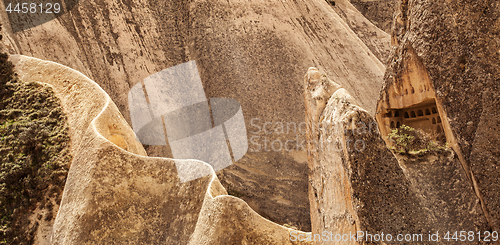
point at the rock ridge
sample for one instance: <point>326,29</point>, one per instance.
<point>115,194</point>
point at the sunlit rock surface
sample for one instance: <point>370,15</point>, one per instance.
<point>115,194</point>
<point>358,186</point>
<point>451,49</point>
<point>252,51</point>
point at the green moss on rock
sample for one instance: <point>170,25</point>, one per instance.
<point>34,146</point>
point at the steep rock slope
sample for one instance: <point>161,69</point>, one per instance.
<point>115,194</point>
<point>358,186</point>
<point>376,39</point>
<point>379,12</point>
<point>448,56</point>
<point>251,51</point>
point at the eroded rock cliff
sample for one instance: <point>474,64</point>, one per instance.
<point>447,57</point>
<point>115,194</point>
<point>379,12</point>
<point>358,186</point>
<point>251,51</point>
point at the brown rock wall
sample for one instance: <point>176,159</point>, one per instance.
<point>457,43</point>
<point>116,195</point>
<point>251,51</point>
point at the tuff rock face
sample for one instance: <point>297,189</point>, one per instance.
<point>251,51</point>
<point>355,182</point>
<point>358,19</point>
<point>358,186</point>
<point>448,55</point>
<point>443,78</point>
<point>445,61</point>
<point>379,12</point>
<point>115,194</point>
<point>444,191</point>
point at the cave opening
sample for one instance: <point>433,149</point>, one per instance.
<point>422,116</point>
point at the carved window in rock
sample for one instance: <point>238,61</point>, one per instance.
<point>422,116</point>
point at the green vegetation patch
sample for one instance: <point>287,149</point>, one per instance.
<point>34,150</point>
<point>406,140</point>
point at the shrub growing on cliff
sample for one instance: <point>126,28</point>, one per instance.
<point>34,148</point>
<point>406,139</point>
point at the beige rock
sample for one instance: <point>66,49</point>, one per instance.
<point>350,168</point>
<point>379,12</point>
<point>251,51</point>
<point>448,52</point>
<point>358,186</point>
<point>365,22</point>
<point>114,194</point>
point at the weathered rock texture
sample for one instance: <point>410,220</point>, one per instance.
<point>376,39</point>
<point>34,162</point>
<point>448,53</point>
<point>251,51</point>
<point>115,194</point>
<point>379,12</point>
<point>348,191</point>
<point>443,189</point>
<point>358,185</point>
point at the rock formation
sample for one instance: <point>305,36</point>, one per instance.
<point>442,78</point>
<point>35,157</point>
<point>358,186</point>
<point>115,194</point>
<point>448,55</point>
<point>251,51</point>
<point>379,12</point>
<point>356,19</point>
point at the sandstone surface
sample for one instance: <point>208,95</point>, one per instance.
<point>379,12</point>
<point>362,22</point>
<point>115,194</point>
<point>356,184</point>
<point>251,51</point>
<point>448,55</point>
